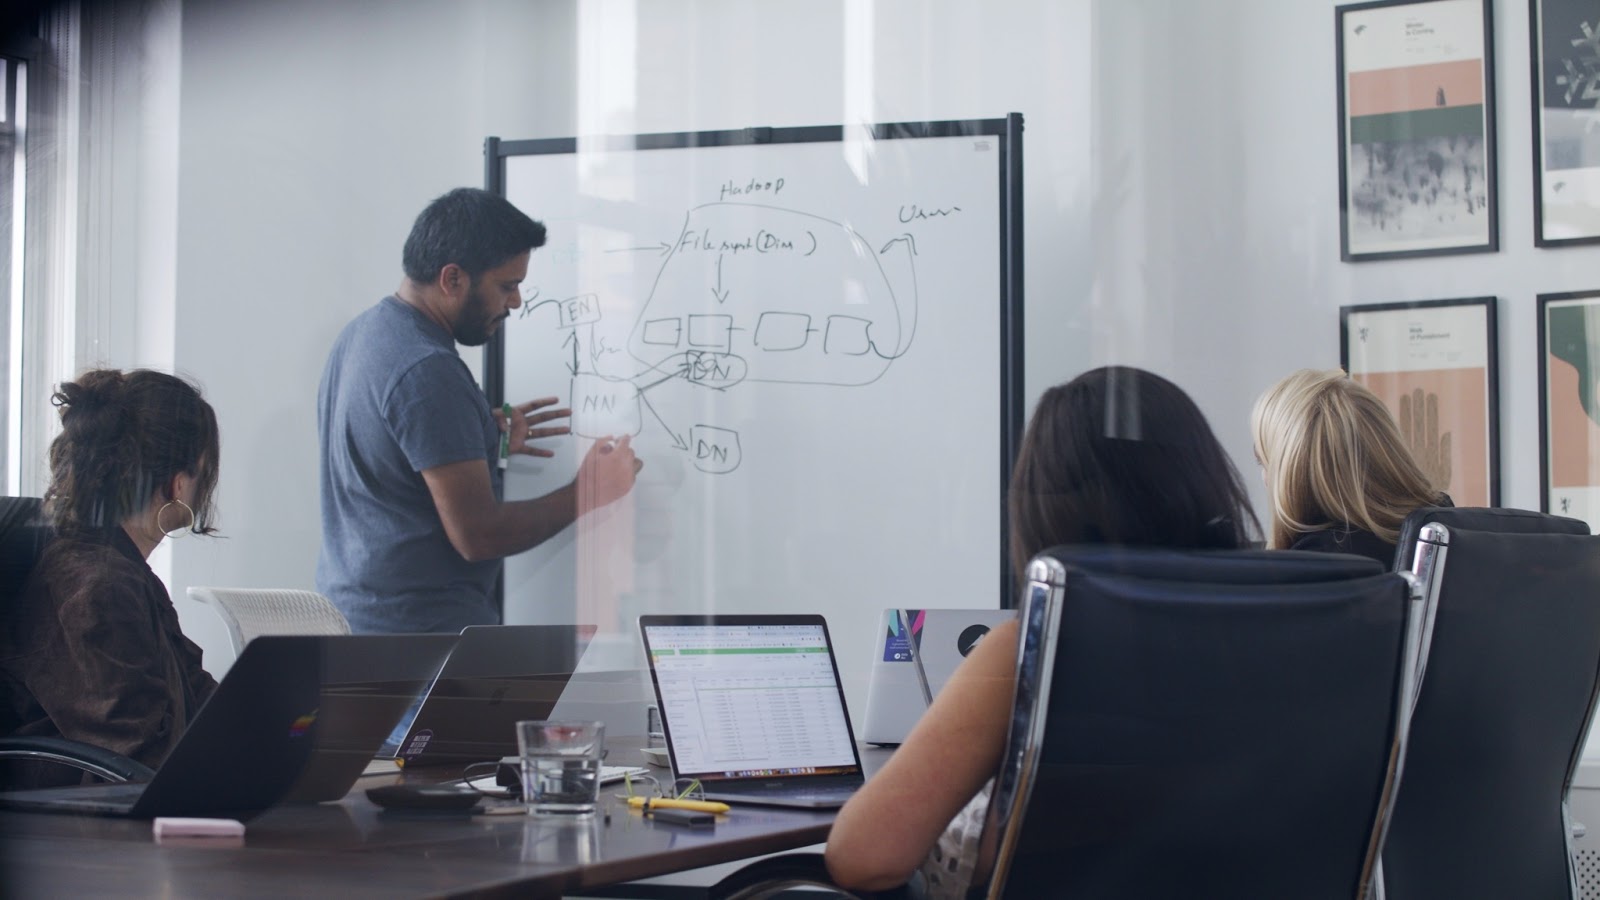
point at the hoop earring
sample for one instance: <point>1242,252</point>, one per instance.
<point>175,533</point>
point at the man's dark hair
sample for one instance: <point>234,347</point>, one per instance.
<point>123,438</point>
<point>1122,456</point>
<point>472,228</point>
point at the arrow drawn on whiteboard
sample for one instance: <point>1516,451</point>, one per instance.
<point>683,368</point>
<point>528,306</point>
<point>903,339</point>
<point>911,242</point>
<point>678,443</point>
<point>718,292</point>
<point>662,248</point>
<point>572,341</point>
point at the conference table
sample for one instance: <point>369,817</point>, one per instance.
<point>353,848</point>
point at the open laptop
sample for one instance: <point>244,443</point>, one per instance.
<point>916,653</point>
<point>497,676</point>
<point>295,719</point>
<point>751,705</point>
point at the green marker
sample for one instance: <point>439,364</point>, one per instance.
<point>505,436</point>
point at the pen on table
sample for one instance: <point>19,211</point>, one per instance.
<point>505,436</point>
<point>709,806</point>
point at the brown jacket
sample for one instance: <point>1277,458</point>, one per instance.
<point>92,651</point>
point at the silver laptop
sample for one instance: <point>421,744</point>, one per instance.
<point>751,705</point>
<point>916,653</point>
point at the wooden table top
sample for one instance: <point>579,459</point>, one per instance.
<point>355,849</point>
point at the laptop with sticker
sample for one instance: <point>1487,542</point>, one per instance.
<point>752,707</point>
<point>497,676</point>
<point>294,720</point>
<point>916,653</point>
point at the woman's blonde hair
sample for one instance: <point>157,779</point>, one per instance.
<point>1334,458</point>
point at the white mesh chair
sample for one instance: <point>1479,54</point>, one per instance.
<point>250,612</point>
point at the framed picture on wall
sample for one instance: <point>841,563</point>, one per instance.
<point>1569,408</point>
<point>1416,129</point>
<point>1434,364</point>
<point>1566,121</point>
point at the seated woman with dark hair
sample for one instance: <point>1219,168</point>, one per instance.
<point>92,649</point>
<point>1115,456</point>
<point>1339,476</point>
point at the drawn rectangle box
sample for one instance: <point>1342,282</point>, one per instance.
<point>711,331</point>
<point>847,335</point>
<point>580,310</point>
<point>602,407</point>
<point>663,332</point>
<point>777,331</point>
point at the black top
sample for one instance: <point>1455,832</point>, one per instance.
<point>1345,540</point>
<point>93,652</point>
<point>1354,540</point>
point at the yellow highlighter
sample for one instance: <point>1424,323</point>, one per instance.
<point>647,803</point>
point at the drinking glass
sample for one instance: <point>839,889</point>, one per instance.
<point>561,766</point>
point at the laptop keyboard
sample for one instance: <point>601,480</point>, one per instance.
<point>798,792</point>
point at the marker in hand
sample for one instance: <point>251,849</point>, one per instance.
<point>505,436</point>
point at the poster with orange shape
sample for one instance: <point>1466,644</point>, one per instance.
<point>1433,364</point>
<point>1569,409</point>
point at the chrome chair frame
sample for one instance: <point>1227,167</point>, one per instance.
<point>1041,622</point>
<point>1427,568</point>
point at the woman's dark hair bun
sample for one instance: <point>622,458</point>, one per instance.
<point>124,436</point>
<point>95,403</point>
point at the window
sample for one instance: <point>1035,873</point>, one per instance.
<point>13,174</point>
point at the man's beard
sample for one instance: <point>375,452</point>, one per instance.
<point>475,325</point>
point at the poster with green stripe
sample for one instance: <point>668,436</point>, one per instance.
<point>1416,117</point>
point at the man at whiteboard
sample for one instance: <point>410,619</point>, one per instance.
<point>412,530</point>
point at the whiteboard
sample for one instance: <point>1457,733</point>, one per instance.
<point>811,339</point>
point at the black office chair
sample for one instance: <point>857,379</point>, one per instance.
<point>1196,724</point>
<point>23,535</point>
<point>1508,688</point>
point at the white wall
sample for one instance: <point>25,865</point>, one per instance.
<point>1181,208</point>
<point>1224,269</point>
<point>312,133</point>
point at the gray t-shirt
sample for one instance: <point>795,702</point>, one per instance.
<point>396,399</point>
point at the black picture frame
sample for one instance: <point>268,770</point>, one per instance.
<point>1587,300</point>
<point>1424,192</point>
<point>1411,327</point>
<point>1553,26</point>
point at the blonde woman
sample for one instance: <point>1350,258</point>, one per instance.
<point>1340,478</point>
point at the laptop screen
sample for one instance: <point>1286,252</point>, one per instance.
<point>750,700</point>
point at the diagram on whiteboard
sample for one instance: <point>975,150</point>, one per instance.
<point>746,294</point>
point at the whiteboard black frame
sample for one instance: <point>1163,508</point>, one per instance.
<point>1008,131</point>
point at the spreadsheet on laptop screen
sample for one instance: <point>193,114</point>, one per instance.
<point>750,700</point>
